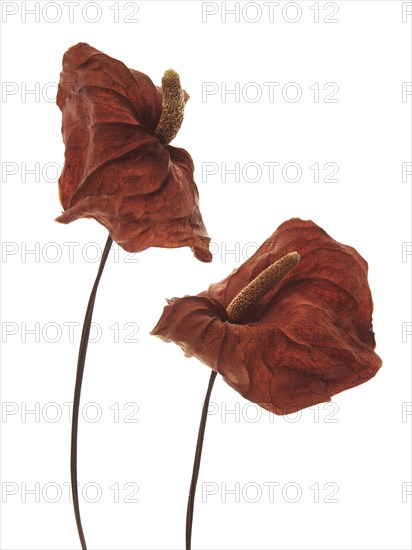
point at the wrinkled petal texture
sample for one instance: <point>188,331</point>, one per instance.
<point>308,339</point>
<point>116,170</point>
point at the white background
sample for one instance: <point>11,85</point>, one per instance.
<point>360,445</point>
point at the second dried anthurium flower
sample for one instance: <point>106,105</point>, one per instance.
<point>119,167</point>
<point>305,340</point>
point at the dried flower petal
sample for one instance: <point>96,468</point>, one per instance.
<point>116,170</point>
<point>307,339</point>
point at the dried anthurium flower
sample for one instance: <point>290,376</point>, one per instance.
<point>119,167</point>
<point>289,328</point>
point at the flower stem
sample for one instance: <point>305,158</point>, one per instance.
<point>236,310</point>
<point>77,391</point>
<point>196,463</point>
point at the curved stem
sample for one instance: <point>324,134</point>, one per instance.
<point>77,391</point>
<point>196,463</point>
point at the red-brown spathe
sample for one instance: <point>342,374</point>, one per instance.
<point>307,339</point>
<point>116,170</point>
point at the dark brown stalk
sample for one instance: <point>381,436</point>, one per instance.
<point>196,463</point>
<point>77,391</point>
<point>237,308</point>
